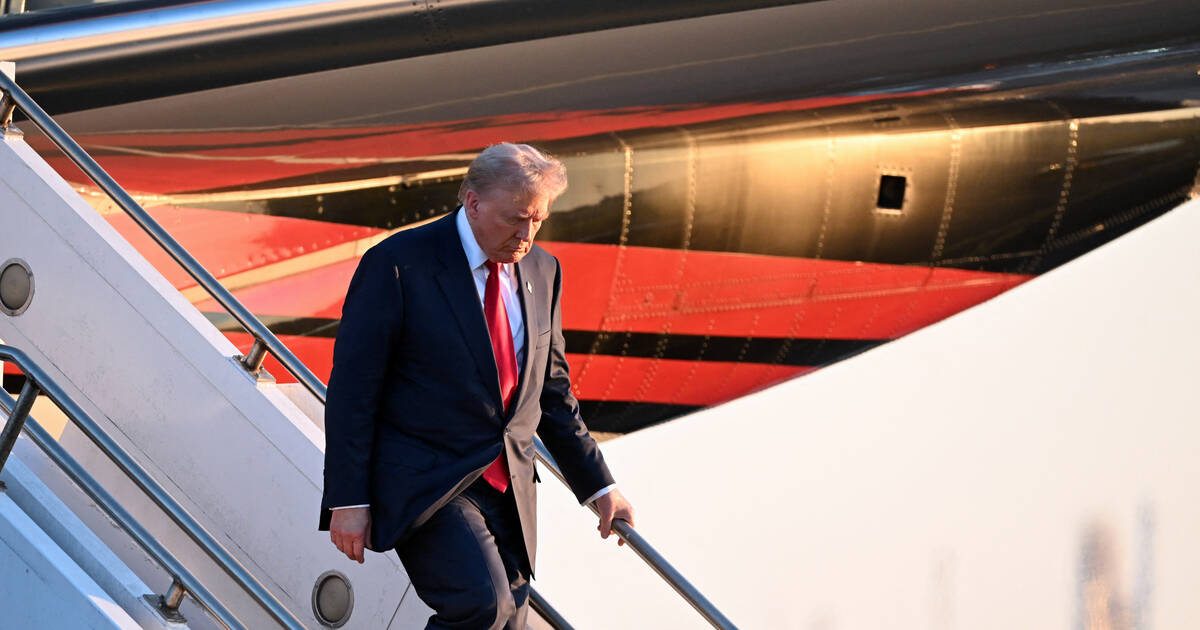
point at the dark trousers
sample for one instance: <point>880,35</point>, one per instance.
<point>467,562</point>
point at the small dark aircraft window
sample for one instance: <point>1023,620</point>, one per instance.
<point>891,192</point>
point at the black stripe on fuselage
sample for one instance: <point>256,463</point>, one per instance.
<point>281,325</point>
<point>622,416</point>
<point>770,350</point>
<point>13,383</point>
<point>767,350</point>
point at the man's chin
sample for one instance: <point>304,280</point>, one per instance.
<point>513,257</point>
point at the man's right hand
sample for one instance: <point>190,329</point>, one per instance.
<point>348,529</point>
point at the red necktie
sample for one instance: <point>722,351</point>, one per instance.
<point>506,362</point>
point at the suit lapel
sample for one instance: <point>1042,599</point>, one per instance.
<point>524,280</point>
<point>457,283</point>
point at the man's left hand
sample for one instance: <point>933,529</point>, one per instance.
<point>613,505</point>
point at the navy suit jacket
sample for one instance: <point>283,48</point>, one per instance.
<point>414,414</point>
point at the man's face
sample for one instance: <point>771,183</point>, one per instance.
<point>504,223</point>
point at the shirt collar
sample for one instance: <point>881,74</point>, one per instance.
<point>475,255</point>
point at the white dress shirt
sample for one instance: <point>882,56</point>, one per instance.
<point>509,285</point>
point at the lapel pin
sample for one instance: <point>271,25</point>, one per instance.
<point>529,286</point>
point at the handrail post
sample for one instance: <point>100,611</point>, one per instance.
<point>175,595</point>
<point>9,69</point>
<point>168,605</point>
<point>78,474</point>
<point>155,492</point>
<point>253,360</point>
<point>16,419</point>
<point>6,114</point>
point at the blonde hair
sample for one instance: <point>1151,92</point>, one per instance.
<point>516,168</point>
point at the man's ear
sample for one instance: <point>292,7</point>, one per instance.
<point>471,204</point>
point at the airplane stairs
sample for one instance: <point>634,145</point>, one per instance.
<point>234,450</point>
<point>181,467</point>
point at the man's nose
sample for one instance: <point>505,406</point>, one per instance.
<point>525,230</point>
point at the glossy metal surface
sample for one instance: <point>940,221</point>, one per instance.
<point>34,10</point>
<point>155,51</point>
<point>724,228</point>
<point>39,380</point>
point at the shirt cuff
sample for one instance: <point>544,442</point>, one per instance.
<point>346,507</point>
<point>601,492</point>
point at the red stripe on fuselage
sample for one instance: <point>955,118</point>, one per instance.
<point>316,293</point>
<point>674,292</point>
<point>643,289</point>
<point>670,381</point>
<point>662,291</point>
<point>231,242</point>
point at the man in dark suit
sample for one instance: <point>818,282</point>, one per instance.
<point>448,359</point>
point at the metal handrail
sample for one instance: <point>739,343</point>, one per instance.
<point>649,555</point>
<point>547,612</point>
<point>36,380</point>
<point>264,340</point>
